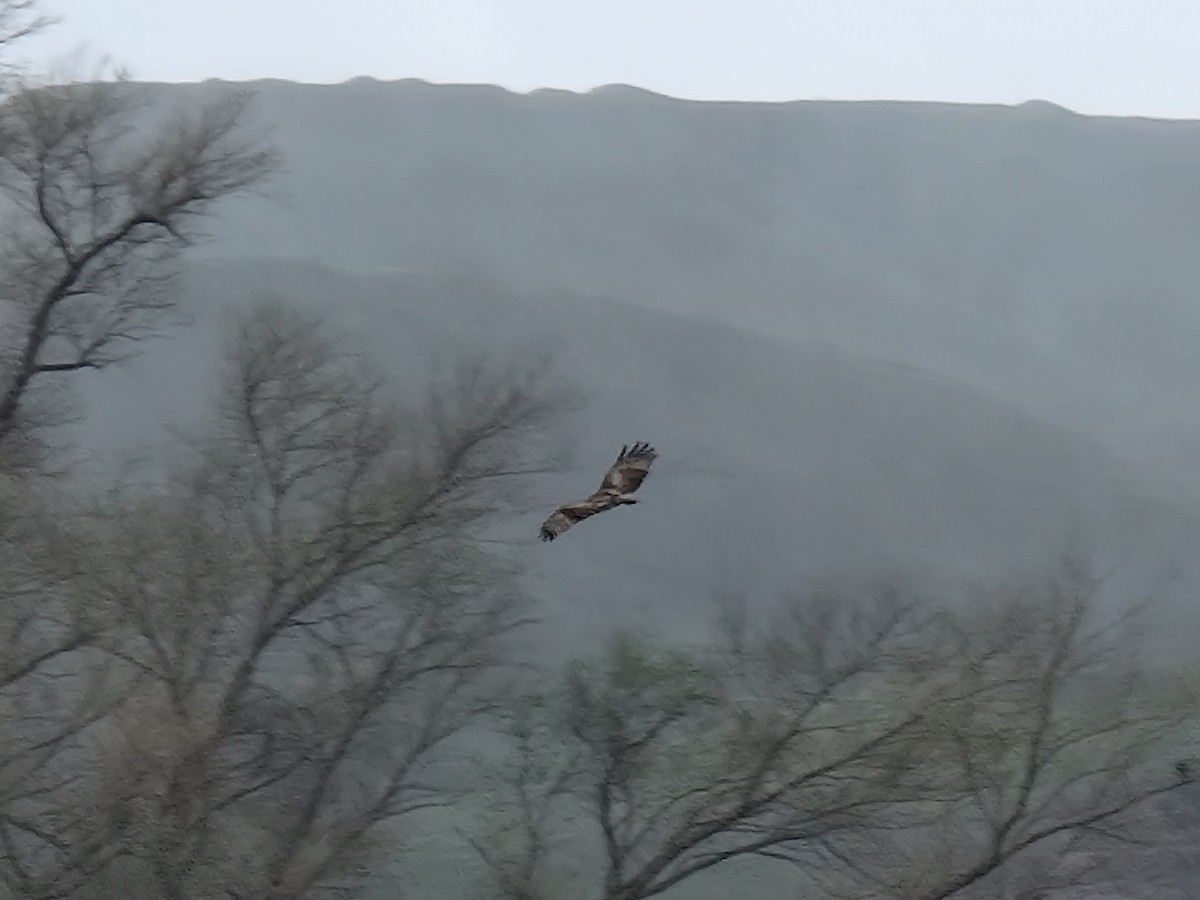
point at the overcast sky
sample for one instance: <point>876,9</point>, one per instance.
<point>1137,57</point>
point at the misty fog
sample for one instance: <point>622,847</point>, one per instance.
<point>935,347</point>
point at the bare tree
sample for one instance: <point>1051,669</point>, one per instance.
<point>882,747</point>
<point>101,191</point>
<point>523,828</point>
<point>20,19</point>
<point>1065,741</point>
<point>776,747</point>
<point>58,687</point>
<point>313,612</point>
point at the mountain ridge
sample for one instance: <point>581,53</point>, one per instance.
<point>919,232</point>
<point>1034,105</point>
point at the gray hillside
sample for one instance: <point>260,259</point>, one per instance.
<point>861,335</point>
<point>779,462</point>
<point>1042,255</point>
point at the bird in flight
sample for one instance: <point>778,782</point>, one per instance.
<point>623,478</point>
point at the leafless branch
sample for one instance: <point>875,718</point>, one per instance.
<point>325,528</point>
<point>101,195</point>
<point>883,746</point>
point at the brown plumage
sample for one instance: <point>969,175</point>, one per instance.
<point>624,477</point>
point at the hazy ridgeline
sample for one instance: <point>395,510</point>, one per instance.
<point>907,608</point>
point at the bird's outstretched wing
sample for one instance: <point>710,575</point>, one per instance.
<point>629,471</point>
<point>568,514</point>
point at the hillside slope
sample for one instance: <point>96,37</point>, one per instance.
<point>780,462</point>
<point>1041,255</point>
